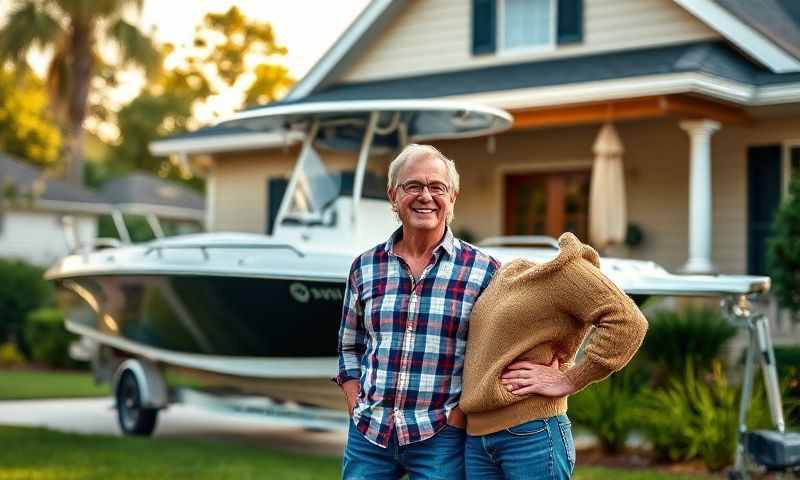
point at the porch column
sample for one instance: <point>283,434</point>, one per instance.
<point>700,132</point>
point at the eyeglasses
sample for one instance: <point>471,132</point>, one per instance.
<point>413,187</point>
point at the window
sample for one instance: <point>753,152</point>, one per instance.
<point>526,24</point>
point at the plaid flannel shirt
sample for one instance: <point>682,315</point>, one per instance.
<point>404,338</point>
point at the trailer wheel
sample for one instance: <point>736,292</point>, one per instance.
<point>132,417</point>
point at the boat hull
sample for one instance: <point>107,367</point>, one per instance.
<point>244,336</point>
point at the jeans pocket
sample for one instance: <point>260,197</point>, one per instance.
<point>569,444</point>
<point>528,428</point>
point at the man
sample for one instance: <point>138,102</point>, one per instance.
<point>404,330</point>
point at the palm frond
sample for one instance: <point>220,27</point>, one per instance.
<point>135,47</point>
<point>28,25</point>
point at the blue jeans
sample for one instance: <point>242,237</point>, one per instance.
<point>540,449</point>
<point>440,457</point>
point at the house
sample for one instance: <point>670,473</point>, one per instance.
<point>704,96</point>
<point>33,209</point>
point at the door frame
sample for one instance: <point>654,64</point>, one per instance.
<point>501,171</point>
<point>786,164</point>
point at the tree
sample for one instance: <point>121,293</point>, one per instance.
<point>225,46</point>
<point>227,40</point>
<point>783,250</point>
<point>26,128</point>
<point>73,29</point>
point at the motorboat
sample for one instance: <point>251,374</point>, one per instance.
<point>246,314</point>
<point>235,315</point>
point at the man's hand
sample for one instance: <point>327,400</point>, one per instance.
<point>351,389</point>
<point>526,378</point>
<point>457,418</point>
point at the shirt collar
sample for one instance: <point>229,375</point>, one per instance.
<point>447,244</point>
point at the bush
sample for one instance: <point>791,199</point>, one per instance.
<point>22,289</point>
<point>783,250</point>
<point>10,356</point>
<point>605,408</point>
<point>698,417</point>
<point>673,338</point>
<point>48,339</point>
<point>788,361</point>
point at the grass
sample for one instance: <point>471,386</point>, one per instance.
<point>31,384</point>
<point>38,454</point>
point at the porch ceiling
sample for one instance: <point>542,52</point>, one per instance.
<point>678,106</point>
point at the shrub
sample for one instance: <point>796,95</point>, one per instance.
<point>10,356</point>
<point>783,250</point>
<point>787,359</point>
<point>698,417</point>
<point>48,339</point>
<point>605,409</point>
<point>673,338</point>
<point>22,289</point>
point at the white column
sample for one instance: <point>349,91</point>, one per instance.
<point>700,221</point>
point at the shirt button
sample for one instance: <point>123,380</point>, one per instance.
<point>410,327</point>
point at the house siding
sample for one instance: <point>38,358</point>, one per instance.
<point>239,201</point>
<point>431,36</point>
<point>38,236</point>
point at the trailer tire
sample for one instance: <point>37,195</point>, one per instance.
<point>133,418</point>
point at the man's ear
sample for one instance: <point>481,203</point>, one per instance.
<point>391,192</point>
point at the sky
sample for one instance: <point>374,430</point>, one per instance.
<point>306,27</point>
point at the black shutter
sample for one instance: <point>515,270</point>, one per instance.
<point>570,21</point>
<point>763,198</point>
<point>484,26</point>
<point>276,188</point>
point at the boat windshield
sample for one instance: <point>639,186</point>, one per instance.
<point>316,188</point>
<point>321,179</point>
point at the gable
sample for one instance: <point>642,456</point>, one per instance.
<point>432,36</point>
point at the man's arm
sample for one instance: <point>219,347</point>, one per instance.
<point>352,343</point>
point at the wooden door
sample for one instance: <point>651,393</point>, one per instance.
<point>547,203</point>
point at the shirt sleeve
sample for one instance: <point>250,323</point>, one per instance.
<point>587,295</point>
<point>352,335</point>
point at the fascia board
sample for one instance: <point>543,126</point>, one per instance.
<point>749,40</point>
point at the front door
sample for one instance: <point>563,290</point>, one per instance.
<point>547,203</point>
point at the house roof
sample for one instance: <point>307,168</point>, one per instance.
<point>27,178</point>
<point>150,194</point>
<point>740,21</point>
<point>764,29</point>
<point>715,59</point>
<point>770,18</point>
<point>135,193</point>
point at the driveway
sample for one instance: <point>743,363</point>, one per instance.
<point>97,416</point>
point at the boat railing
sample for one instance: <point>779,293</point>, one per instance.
<point>520,241</point>
<point>218,246</point>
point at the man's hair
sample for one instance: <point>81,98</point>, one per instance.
<point>413,151</point>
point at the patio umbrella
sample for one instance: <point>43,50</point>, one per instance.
<point>607,214</point>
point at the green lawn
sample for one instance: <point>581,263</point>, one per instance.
<point>27,384</point>
<point>38,454</point>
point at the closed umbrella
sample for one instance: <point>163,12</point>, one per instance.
<point>607,213</point>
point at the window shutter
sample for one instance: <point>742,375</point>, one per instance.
<point>570,21</point>
<point>484,23</point>
<point>763,199</point>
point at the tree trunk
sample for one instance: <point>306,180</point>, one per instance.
<point>81,56</point>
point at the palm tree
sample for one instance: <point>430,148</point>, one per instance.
<point>73,30</point>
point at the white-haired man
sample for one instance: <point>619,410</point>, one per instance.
<point>404,330</point>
